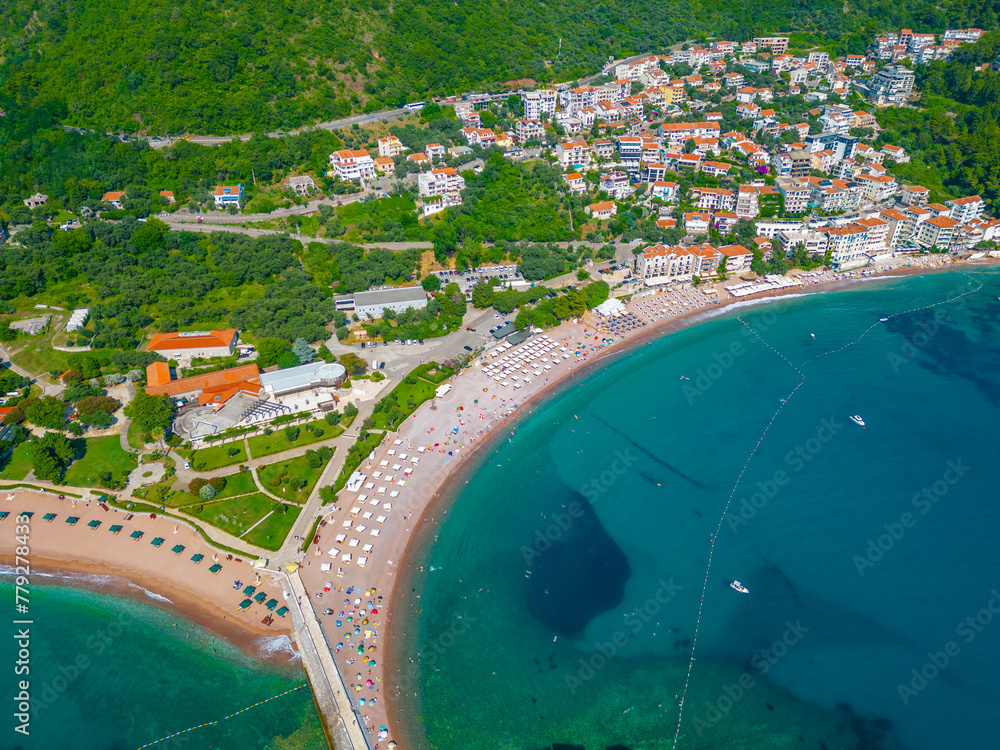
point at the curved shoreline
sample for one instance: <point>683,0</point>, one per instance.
<point>449,487</point>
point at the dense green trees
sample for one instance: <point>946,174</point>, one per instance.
<point>151,414</point>
<point>50,455</point>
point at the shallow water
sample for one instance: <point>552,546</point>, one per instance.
<point>110,671</point>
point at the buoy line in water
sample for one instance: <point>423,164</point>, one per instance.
<point>732,494</point>
<point>875,325</point>
<point>224,718</point>
<point>722,518</point>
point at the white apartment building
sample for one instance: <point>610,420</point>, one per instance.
<point>441,181</point>
<point>847,245</point>
<point>390,146</point>
<point>349,164</point>
<point>572,153</point>
<point>964,210</point>
<point>537,103</point>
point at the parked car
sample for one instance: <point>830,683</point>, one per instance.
<point>468,348</point>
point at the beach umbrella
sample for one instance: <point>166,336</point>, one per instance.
<point>374,611</point>
<point>361,648</point>
<point>369,683</point>
<point>340,646</point>
<point>361,701</point>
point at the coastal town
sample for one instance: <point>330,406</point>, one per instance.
<point>277,481</point>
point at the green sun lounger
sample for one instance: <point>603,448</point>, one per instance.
<point>197,558</point>
<point>282,611</point>
<point>28,513</point>
<point>248,591</point>
<point>4,515</point>
<point>116,528</point>
<point>94,524</point>
<point>49,517</point>
<point>158,541</point>
<point>72,520</point>
<point>137,535</point>
<point>178,549</point>
<point>260,597</point>
<point>215,569</point>
<point>245,604</point>
<point>271,604</point>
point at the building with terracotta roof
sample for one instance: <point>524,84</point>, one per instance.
<point>602,210</point>
<point>964,210</point>
<point>737,257</point>
<point>244,377</point>
<point>229,195</point>
<point>188,344</point>
<point>114,197</point>
<point>158,373</point>
<point>352,164</point>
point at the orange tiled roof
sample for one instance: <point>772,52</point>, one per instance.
<point>158,373</point>
<point>168,341</point>
<point>235,376</point>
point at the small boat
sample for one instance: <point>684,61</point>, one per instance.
<point>856,418</point>
<point>737,586</point>
<point>882,320</point>
<point>685,377</point>
<point>813,335</point>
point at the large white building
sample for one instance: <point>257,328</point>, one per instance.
<point>440,181</point>
<point>538,102</point>
<point>350,164</point>
<point>374,302</point>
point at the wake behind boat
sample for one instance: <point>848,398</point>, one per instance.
<point>856,418</point>
<point>737,586</point>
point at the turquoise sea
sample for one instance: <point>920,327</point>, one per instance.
<point>110,672</point>
<point>556,600</point>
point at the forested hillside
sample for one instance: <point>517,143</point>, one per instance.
<point>176,66</point>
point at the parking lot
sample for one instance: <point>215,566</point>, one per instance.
<point>467,279</point>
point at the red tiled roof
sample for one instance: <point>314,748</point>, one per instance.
<point>170,341</point>
<point>236,376</point>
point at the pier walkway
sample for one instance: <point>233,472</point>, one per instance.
<point>332,696</point>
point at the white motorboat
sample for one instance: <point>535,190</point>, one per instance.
<point>882,320</point>
<point>856,418</point>
<point>737,586</point>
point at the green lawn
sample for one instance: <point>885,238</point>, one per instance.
<point>277,441</point>
<point>217,456</point>
<point>276,477</point>
<point>18,464</point>
<point>240,483</point>
<point>273,531</point>
<point>233,516</point>
<point>97,456</point>
<point>135,436</point>
<point>433,372</point>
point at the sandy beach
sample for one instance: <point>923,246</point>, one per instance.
<point>189,588</point>
<point>411,477</point>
